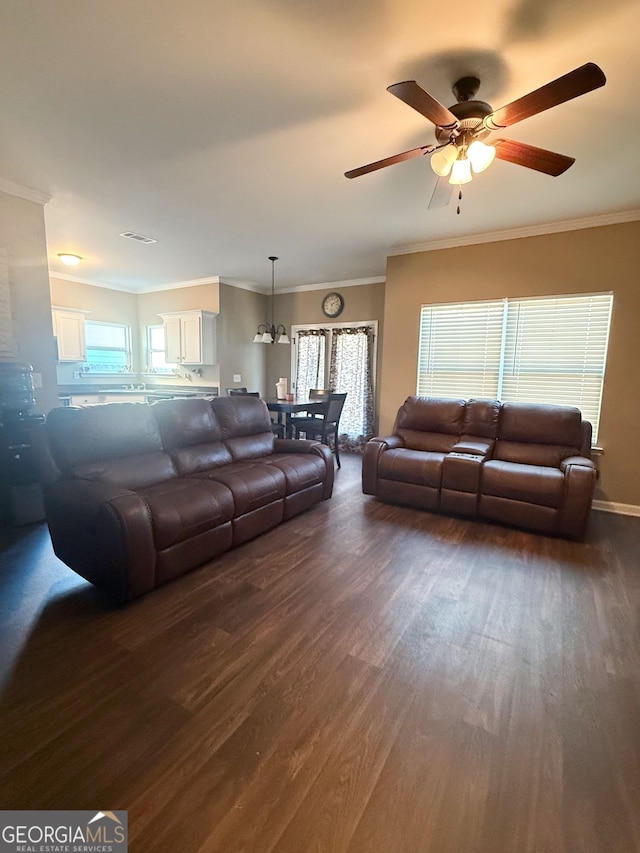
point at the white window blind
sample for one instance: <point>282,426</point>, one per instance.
<point>459,352</point>
<point>543,350</point>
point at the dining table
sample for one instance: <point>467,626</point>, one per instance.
<point>287,408</point>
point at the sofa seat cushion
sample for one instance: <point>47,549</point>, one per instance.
<point>301,470</point>
<point>536,484</point>
<point>419,467</point>
<point>530,453</point>
<point>253,485</point>
<point>129,472</point>
<point>183,508</point>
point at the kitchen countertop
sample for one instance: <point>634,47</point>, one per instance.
<point>148,390</point>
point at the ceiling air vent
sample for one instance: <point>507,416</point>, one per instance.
<point>139,237</point>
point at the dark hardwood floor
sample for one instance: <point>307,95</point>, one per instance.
<point>363,678</point>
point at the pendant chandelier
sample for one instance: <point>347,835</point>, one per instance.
<point>269,333</point>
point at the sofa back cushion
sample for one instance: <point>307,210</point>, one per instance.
<point>538,434</point>
<point>245,426</point>
<point>191,434</point>
<point>118,443</point>
<point>430,423</point>
<point>481,418</point>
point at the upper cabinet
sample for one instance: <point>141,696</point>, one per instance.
<point>68,328</point>
<point>190,337</point>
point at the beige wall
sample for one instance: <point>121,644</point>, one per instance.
<point>136,311</point>
<point>22,234</point>
<point>590,260</point>
<point>241,311</point>
<point>103,304</point>
<point>361,302</point>
<point>201,297</point>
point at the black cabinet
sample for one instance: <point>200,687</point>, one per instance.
<point>22,443</point>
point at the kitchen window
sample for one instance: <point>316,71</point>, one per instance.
<point>156,352</point>
<point>108,348</point>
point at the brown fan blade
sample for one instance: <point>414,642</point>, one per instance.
<point>533,158</point>
<point>389,161</point>
<point>415,96</point>
<point>441,195</point>
<point>577,82</point>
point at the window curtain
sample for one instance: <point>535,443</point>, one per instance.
<point>311,360</point>
<point>351,370</point>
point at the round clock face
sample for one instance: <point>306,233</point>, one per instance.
<point>332,304</point>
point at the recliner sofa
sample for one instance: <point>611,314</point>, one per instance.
<point>523,464</point>
<point>148,492</point>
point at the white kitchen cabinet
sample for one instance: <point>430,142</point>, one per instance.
<point>68,328</point>
<point>190,337</point>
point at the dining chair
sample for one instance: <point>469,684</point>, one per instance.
<point>324,424</point>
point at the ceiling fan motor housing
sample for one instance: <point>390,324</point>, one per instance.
<point>470,115</point>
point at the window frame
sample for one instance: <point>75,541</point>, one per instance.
<point>582,344</point>
<point>127,350</point>
<point>169,369</point>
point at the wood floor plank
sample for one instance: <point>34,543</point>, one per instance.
<point>365,677</point>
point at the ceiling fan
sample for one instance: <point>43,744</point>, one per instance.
<point>462,129</point>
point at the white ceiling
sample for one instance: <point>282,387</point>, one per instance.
<point>222,128</point>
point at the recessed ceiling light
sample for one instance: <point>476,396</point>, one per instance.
<point>69,259</point>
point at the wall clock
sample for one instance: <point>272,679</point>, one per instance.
<point>332,305</point>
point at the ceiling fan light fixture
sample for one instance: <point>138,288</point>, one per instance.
<point>480,155</point>
<point>461,172</point>
<point>443,160</point>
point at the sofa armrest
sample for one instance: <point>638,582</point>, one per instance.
<point>373,450</point>
<point>471,446</point>
<point>577,460</point>
<point>104,533</point>
<point>298,445</point>
<point>579,483</point>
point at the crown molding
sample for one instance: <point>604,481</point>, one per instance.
<point>245,285</point>
<point>214,279</point>
<point>176,285</point>
<point>333,285</point>
<point>77,279</point>
<point>519,233</point>
<point>327,285</point>
<point>26,193</point>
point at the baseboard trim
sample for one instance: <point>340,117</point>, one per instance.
<point>620,509</point>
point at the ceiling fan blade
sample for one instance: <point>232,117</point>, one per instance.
<point>415,96</point>
<point>389,161</point>
<point>533,158</point>
<point>577,82</point>
<point>441,195</point>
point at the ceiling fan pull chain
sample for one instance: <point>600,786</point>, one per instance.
<point>459,199</point>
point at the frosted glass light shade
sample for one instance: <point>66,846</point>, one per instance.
<point>258,338</point>
<point>443,160</point>
<point>284,339</point>
<point>266,338</point>
<point>481,156</point>
<point>461,172</point>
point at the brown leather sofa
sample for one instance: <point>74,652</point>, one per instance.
<point>148,492</point>
<point>518,463</point>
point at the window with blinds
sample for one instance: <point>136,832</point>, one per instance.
<point>542,350</point>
